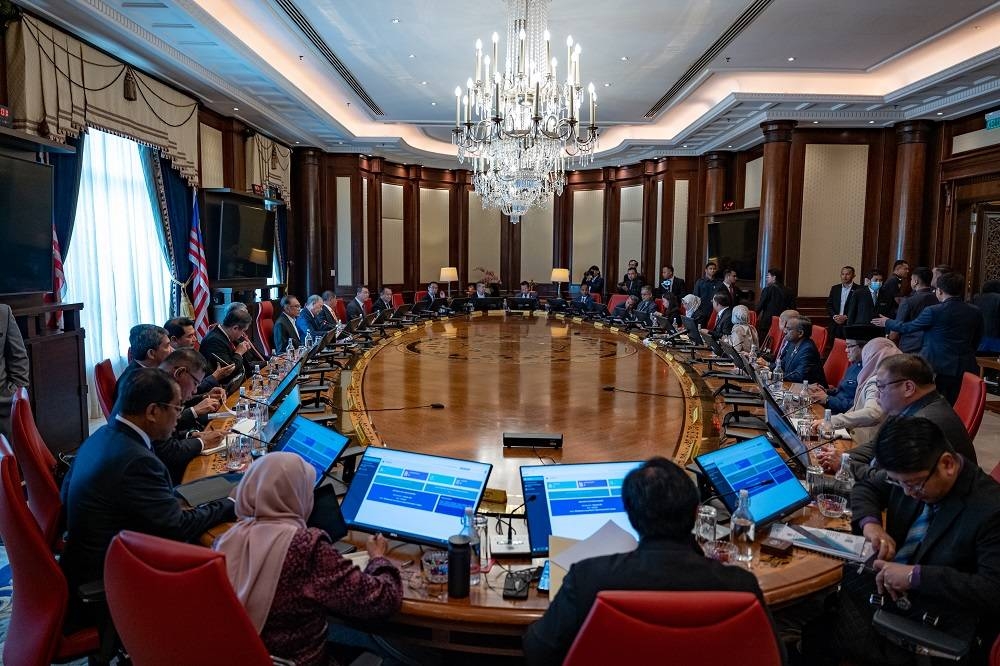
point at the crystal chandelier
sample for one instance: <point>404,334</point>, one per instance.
<point>522,124</point>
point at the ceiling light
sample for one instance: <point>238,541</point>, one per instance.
<point>236,108</point>
<point>791,58</point>
<point>395,20</point>
<point>815,122</point>
<point>940,113</point>
<point>434,103</point>
<point>523,123</point>
<point>411,56</point>
<point>871,122</point>
<point>730,145</point>
<point>624,58</point>
<point>296,142</point>
<point>684,146</point>
<point>423,83</point>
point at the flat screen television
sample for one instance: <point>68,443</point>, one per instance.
<point>239,238</point>
<point>733,244</point>
<point>26,201</point>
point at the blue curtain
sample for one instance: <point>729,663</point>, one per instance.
<point>178,197</point>
<point>67,168</point>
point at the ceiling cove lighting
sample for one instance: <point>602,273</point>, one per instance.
<point>518,122</point>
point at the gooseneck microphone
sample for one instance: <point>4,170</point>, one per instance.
<point>432,405</point>
<point>510,518</point>
<point>610,389</point>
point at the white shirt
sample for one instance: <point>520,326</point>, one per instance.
<point>844,293</point>
<point>142,433</point>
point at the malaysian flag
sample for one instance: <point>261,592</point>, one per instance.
<point>199,278</point>
<point>58,282</point>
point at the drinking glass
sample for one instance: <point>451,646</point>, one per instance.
<point>482,526</point>
<point>815,480</point>
<point>236,452</point>
<point>704,525</point>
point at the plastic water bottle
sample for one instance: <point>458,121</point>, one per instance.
<point>804,393</point>
<point>307,342</point>
<point>290,351</point>
<point>844,475</point>
<point>506,308</point>
<point>257,382</point>
<point>777,381</point>
<point>742,528</point>
<point>826,429</point>
<point>469,530</point>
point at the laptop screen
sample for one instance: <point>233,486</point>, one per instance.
<point>282,415</point>
<point>284,385</point>
<point>413,496</point>
<point>786,434</point>
<point>755,465</point>
<point>573,501</point>
<point>317,445</point>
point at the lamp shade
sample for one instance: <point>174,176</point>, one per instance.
<point>560,275</point>
<point>258,256</point>
<point>448,274</point>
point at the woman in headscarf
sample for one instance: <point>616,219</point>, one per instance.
<point>691,304</point>
<point>743,336</point>
<point>865,418</point>
<point>289,577</point>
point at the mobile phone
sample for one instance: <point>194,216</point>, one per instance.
<point>543,582</point>
<point>515,586</point>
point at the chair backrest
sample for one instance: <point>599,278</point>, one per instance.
<point>836,363</point>
<point>820,335</point>
<point>773,340</point>
<point>995,653</point>
<point>367,306</point>
<point>340,309</point>
<point>37,469</point>
<point>661,305</point>
<point>597,297</point>
<point>615,300</point>
<point>397,299</point>
<point>419,296</point>
<point>42,594</point>
<point>753,318</point>
<point>182,585</point>
<point>712,318</point>
<point>678,624</point>
<point>971,402</point>
<point>265,328</point>
<point>104,378</point>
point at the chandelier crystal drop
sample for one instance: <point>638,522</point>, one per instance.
<point>521,122</point>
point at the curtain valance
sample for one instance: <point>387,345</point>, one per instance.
<point>268,163</point>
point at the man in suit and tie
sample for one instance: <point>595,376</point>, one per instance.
<point>384,301</point>
<point>868,302</point>
<point>648,303</point>
<point>939,546</point>
<point>356,306</point>
<point>774,299</point>
<point>723,316</point>
<point>432,293</point>
<point>952,330</point>
<point>897,286</point>
<point>309,320</point>
<point>117,482</point>
<point>585,301</point>
<point>800,360</point>
<point>836,303</point>
<point>729,279</point>
<point>922,295</point>
<point>481,291</point>
<point>670,284</point>
<point>149,345</point>
<point>705,289</point>
<point>329,312</point>
<point>285,329</point>
<point>13,364</point>
<point>632,284</point>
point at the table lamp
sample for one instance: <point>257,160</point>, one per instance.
<point>449,274</point>
<point>258,256</point>
<point>560,275</point>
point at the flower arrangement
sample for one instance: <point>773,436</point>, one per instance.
<point>488,276</point>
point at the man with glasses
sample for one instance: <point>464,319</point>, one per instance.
<point>939,546</point>
<point>117,482</point>
<point>285,328</point>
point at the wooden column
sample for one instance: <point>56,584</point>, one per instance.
<point>715,180</point>
<point>908,196</point>
<point>774,196</point>
<point>306,232</point>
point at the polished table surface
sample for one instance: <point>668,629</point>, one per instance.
<point>519,373</point>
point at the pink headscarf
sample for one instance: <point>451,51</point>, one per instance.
<point>273,500</point>
<point>872,354</point>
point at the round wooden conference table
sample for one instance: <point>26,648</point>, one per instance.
<point>497,373</point>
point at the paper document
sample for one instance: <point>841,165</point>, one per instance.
<point>829,542</point>
<point>608,540</point>
<point>245,426</point>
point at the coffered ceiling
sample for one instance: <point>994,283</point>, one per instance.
<point>673,76</point>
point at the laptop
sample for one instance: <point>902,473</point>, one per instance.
<point>282,416</point>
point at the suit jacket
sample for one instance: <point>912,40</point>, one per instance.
<point>379,304</point>
<point>677,287</point>
<point>802,363</point>
<point>216,344</point>
<point>596,285</point>
<point>952,330</point>
<point>176,453</point>
<point>657,564</point>
<point>632,287</point>
<point>328,317</point>
<point>132,366</point>
<point>354,309</point>
<point>647,306</point>
<point>893,288</point>
<point>833,307</point>
<point>13,364</point>
<point>774,299</point>
<point>704,289</point>
<point>910,309</point>
<point>115,483</point>
<point>723,324</point>
<point>284,330</point>
<point>307,322</point>
<point>959,557</point>
<point>862,308</point>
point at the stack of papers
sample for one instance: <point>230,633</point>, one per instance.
<point>829,542</point>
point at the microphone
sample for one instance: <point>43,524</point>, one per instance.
<point>657,395</point>
<point>508,546</point>
<point>510,519</point>
<point>432,405</point>
<point>253,349</point>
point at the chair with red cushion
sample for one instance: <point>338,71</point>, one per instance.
<point>661,305</point>
<point>264,328</point>
<point>971,402</point>
<point>397,300</point>
<point>753,318</point>
<point>995,652</point>
<point>836,363</point>
<point>367,306</point>
<point>678,624</point>
<point>615,300</point>
<point>38,470</point>
<point>712,318</point>
<point>820,336</point>
<point>419,296</point>
<point>596,297</point>
<point>183,586</point>
<point>42,594</point>
<point>773,340</point>
<point>340,309</point>
<point>105,380</point>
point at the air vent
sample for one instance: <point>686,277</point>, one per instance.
<point>755,9</point>
<point>184,26</point>
<point>303,24</point>
<point>143,5</point>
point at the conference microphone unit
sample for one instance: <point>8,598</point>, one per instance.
<point>533,440</point>
<point>508,546</point>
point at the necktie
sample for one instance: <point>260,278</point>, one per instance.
<point>918,530</point>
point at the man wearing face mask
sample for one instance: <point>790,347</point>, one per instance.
<point>866,304</point>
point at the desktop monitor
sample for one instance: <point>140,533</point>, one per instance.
<point>573,501</point>
<point>413,496</point>
<point>786,434</point>
<point>285,385</point>
<point>693,333</point>
<point>317,445</point>
<point>755,465</point>
<point>282,415</point>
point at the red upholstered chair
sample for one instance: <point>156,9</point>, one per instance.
<point>265,328</point>
<point>367,306</point>
<point>42,594</point>
<point>661,305</point>
<point>971,402</point>
<point>596,297</point>
<point>104,378</point>
<point>753,318</point>
<point>773,339</point>
<point>712,319</point>
<point>995,652</point>
<point>340,309</point>
<point>615,300</point>
<point>820,336</point>
<point>38,470</point>
<point>397,300</point>
<point>836,363</point>
<point>419,296</point>
<point>678,624</point>
<point>186,584</point>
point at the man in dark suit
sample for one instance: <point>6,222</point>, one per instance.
<point>952,330</point>
<point>723,316</point>
<point>584,301</point>
<point>149,345</point>
<point>897,286</point>
<point>704,289</point>
<point>433,289</point>
<point>867,303</point>
<point>671,284</point>
<point>775,298</point>
<point>922,295</point>
<point>729,279</point>
<point>309,320</point>
<point>660,501</point>
<point>940,545</point>
<point>384,301</point>
<point>188,368</point>
<point>117,482</point>
<point>329,314</point>
<point>356,306</point>
<point>800,360</point>
<point>626,309</point>
<point>13,364</point>
<point>481,292</point>
<point>632,284</point>
<point>836,303</point>
<point>228,344</point>
<point>285,330</point>
<point>648,303</point>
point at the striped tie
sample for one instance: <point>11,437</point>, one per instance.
<point>918,530</point>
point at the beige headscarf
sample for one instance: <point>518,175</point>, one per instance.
<point>273,500</point>
<point>691,304</point>
<point>872,354</point>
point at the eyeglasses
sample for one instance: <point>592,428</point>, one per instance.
<point>197,380</point>
<point>916,488</point>
<point>177,408</point>
<point>882,387</point>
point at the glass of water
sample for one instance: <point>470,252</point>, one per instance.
<point>704,525</point>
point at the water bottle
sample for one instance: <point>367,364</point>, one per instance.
<point>742,528</point>
<point>506,308</point>
<point>290,351</point>
<point>469,530</point>
<point>826,429</point>
<point>777,381</point>
<point>257,382</point>
<point>754,353</point>
<point>804,393</point>
<point>307,342</point>
<point>844,476</point>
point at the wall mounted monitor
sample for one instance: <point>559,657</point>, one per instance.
<point>26,203</point>
<point>413,496</point>
<point>573,501</point>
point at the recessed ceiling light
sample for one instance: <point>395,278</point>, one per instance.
<point>423,83</point>
<point>340,143</point>
<point>791,58</point>
<point>624,58</point>
<point>871,122</point>
<point>684,146</point>
<point>395,19</point>
<point>236,108</point>
<point>730,145</point>
<point>815,122</point>
<point>940,113</point>
<point>434,103</point>
<point>607,85</point>
<point>411,56</point>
